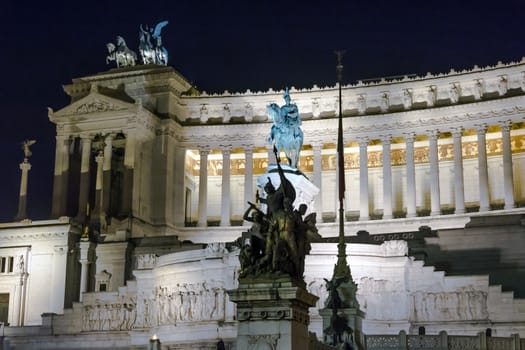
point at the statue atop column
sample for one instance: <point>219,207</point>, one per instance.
<point>286,133</point>
<point>25,147</point>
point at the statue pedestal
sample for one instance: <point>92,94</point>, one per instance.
<point>272,313</point>
<point>354,318</point>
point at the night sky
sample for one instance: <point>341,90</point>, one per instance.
<point>221,45</point>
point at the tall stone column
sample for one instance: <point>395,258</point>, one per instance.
<point>435,200</point>
<point>85,247</point>
<point>484,204</point>
<point>226,193</point>
<point>25,166</point>
<point>248,173</point>
<point>203,187</point>
<point>61,177</point>
<point>318,179</point>
<point>364,213</point>
<point>271,156</point>
<point>179,187</point>
<point>411,175</point>
<point>99,159</point>
<point>83,196</point>
<point>508,177</point>
<point>387,177</point>
<point>459,187</point>
<point>128,181</point>
<point>22,297</point>
<point>106,180</point>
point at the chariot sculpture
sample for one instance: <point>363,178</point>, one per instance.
<point>150,48</point>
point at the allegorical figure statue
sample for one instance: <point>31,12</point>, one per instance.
<point>25,147</point>
<point>121,54</point>
<point>279,239</point>
<point>286,133</point>
<point>150,47</point>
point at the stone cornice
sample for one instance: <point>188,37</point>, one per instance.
<point>373,126</point>
<point>366,99</point>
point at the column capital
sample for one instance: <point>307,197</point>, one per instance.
<point>457,132</point>
<point>25,166</point>
<point>410,137</point>
<point>226,149</point>
<point>386,139</point>
<point>248,147</point>
<point>204,150</point>
<point>433,134</point>
<point>481,129</point>
<point>363,141</point>
<point>86,137</point>
<point>505,125</point>
<point>317,145</point>
<point>109,137</point>
<point>99,158</point>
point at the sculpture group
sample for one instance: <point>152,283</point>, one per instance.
<point>279,239</point>
<point>150,47</point>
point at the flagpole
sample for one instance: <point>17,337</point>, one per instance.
<point>341,269</point>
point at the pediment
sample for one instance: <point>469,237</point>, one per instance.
<point>95,102</point>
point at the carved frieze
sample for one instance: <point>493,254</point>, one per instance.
<point>110,316</point>
<point>185,302</point>
<point>462,305</point>
<point>97,105</point>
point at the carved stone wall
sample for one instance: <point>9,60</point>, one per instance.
<point>186,302</point>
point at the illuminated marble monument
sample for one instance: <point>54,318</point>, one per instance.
<point>434,168</point>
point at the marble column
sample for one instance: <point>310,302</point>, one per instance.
<point>411,175</point>
<point>22,299</point>
<point>25,166</point>
<point>508,177</point>
<point>363,179</point>
<point>459,187</point>
<point>435,200</point>
<point>483,172</point>
<point>61,177</point>
<point>85,247</point>
<point>248,174</point>
<point>203,188</point>
<point>387,177</point>
<point>225,192</point>
<point>99,159</point>
<point>271,156</point>
<point>127,205</point>
<point>106,182</point>
<point>83,196</point>
<point>318,179</point>
<point>179,186</point>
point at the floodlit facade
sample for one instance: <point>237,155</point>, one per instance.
<point>152,179</point>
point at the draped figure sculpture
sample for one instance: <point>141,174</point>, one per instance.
<point>286,133</point>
